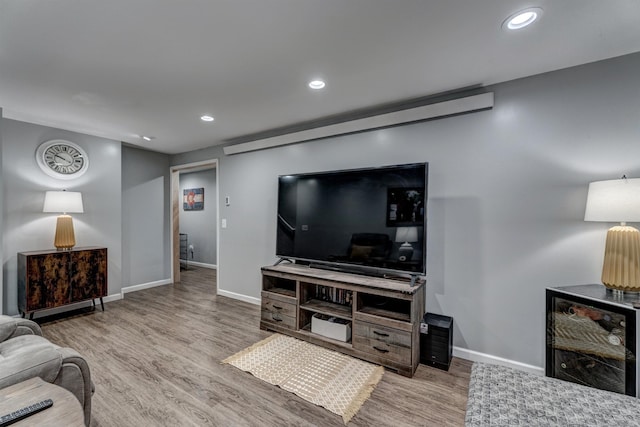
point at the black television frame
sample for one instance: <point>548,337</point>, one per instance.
<point>358,268</point>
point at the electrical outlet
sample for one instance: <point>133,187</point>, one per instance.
<point>223,223</point>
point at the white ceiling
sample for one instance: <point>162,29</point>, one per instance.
<point>125,68</point>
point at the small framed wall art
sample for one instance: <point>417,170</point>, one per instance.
<point>193,199</point>
<point>405,207</point>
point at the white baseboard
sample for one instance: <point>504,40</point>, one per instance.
<point>245,298</point>
<point>64,308</point>
<point>146,285</point>
<point>463,353</point>
<point>74,306</point>
<point>476,356</point>
<point>114,297</point>
<point>201,264</point>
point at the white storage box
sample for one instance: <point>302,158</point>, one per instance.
<point>331,327</point>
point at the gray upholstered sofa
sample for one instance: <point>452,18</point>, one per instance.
<point>25,354</point>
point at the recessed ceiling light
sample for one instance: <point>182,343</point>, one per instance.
<point>316,84</point>
<point>147,138</point>
<point>522,18</point>
<point>206,118</point>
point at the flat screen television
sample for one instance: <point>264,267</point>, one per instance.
<point>370,221</point>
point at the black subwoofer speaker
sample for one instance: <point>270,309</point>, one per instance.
<point>436,340</point>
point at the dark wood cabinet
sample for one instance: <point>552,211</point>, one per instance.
<point>50,279</point>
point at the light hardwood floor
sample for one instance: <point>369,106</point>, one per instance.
<point>155,361</point>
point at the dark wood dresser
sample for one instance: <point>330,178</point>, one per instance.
<point>52,278</point>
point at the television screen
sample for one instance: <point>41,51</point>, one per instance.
<point>365,219</point>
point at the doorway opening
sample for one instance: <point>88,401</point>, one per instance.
<point>207,200</point>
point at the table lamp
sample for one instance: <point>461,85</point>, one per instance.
<point>64,202</point>
<point>406,235</point>
<point>618,200</point>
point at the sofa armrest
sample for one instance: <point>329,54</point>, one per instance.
<point>30,356</point>
<point>26,357</point>
<point>75,376</point>
<point>11,327</point>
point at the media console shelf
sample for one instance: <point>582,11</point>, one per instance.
<point>384,314</point>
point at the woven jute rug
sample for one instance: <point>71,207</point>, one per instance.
<point>333,380</point>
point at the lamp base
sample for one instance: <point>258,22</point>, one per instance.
<point>405,252</point>
<point>65,237</point>
<point>621,268</point>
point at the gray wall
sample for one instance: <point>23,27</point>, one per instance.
<point>26,227</point>
<point>201,225</point>
<point>507,193</point>
<point>146,240</point>
<point>1,217</point>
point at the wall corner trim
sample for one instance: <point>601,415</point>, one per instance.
<point>468,104</point>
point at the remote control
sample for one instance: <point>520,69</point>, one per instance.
<point>22,413</point>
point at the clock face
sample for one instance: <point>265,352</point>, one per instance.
<point>62,159</point>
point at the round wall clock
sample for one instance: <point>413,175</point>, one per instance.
<point>62,159</point>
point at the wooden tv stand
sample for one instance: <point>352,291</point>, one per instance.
<point>384,314</point>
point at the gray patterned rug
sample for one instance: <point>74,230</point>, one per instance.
<point>500,396</point>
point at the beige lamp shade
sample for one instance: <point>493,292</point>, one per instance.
<point>407,234</point>
<point>63,202</point>
<point>618,201</point>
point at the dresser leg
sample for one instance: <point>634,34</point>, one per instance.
<point>101,303</point>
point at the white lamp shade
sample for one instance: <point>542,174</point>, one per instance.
<point>63,202</point>
<point>616,200</point>
<point>407,234</point>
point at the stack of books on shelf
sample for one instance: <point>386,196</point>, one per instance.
<point>335,295</point>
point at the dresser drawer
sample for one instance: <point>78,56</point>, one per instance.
<point>278,319</point>
<point>382,334</point>
<point>279,304</point>
<point>279,309</point>
<point>386,343</point>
